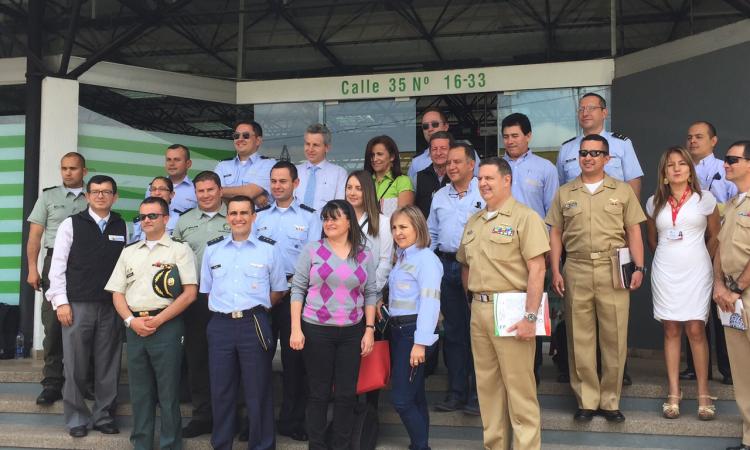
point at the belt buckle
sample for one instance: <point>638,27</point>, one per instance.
<point>595,255</point>
<point>237,315</point>
<point>485,298</point>
<point>143,314</point>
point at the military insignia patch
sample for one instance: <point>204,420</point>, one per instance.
<point>570,204</point>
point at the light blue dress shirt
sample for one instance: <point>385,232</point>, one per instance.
<point>535,181</point>
<point>256,170</point>
<point>184,196</point>
<point>707,170</point>
<point>291,228</point>
<point>423,161</point>
<point>241,275</point>
<point>330,182</point>
<point>623,163</point>
<point>414,288</point>
<point>449,214</point>
<point>138,233</point>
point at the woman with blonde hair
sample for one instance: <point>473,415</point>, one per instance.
<point>680,216</point>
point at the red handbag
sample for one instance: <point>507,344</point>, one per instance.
<point>375,368</point>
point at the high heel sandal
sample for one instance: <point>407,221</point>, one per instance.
<point>671,410</point>
<point>707,412</point>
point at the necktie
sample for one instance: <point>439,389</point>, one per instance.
<point>102,224</point>
<point>310,189</point>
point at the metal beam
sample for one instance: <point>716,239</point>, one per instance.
<point>740,5</point>
<point>75,11</point>
<point>412,18</point>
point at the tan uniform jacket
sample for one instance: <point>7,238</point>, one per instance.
<point>734,237</point>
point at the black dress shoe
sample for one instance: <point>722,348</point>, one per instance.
<point>741,447</point>
<point>626,380</point>
<point>244,433</point>
<point>612,416</point>
<point>78,432</point>
<point>107,428</point>
<point>727,379</point>
<point>196,428</point>
<point>584,415</point>
<point>472,407</point>
<point>450,404</point>
<point>687,374</point>
<point>48,397</point>
<point>297,435</point>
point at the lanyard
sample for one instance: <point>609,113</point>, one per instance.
<point>677,206</point>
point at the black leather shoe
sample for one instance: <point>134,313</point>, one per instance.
<point>48,397</point>
<point>244,433</point>
<point>472,407</point>
<point>584,415</point>
<point>687,374</point>
<point>78,432</point>
<point>196,428</point>
<point>727,380</point>
<point>626,380</point>
<point>612,416</point>
<point>297,435</point>
<point>107,428</point>
<point>741,447</point>
<point>450,404</point>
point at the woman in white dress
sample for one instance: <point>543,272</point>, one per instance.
<point>680,216</point>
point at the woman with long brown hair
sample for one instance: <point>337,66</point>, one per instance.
<point>392,189</point>
<point>680,215</point>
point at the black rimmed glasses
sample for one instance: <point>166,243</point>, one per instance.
<point>592,153</point>
<point>102,193</point>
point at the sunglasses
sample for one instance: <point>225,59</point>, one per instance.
<point>732,160</point>
<point>593,153</point>
<point>243,135</point>
<point>428,125</point>
<point>150,216</point>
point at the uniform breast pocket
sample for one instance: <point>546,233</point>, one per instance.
<point>572,169</point>
<point>614,168</point>
<point>742,232</point>
<point>569,215</point>
<point>257,276</point>
<point>614,208</point>
<point>501,239</point>
<point>218,272</point>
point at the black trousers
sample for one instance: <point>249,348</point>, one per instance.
<point>722,358</point>
<point>332,357</point>
<point>196,318</point>
<point>293,377</point>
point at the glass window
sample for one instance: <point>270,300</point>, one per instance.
<point>284,125</point>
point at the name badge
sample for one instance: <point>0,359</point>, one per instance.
<point>674,235</point>
<point>115,237</point>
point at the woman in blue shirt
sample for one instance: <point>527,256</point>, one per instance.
<point>414,304</point>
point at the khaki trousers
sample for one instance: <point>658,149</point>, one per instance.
<point>506,386</point>
<point>594,307</point>
<point>738,346</point>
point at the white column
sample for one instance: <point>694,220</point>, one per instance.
<point>58,136</point>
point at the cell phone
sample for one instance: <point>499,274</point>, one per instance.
<point>386,315</point>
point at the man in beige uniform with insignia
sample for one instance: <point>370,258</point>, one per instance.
<point>502,250</point>
<point>154,325</point>
<point>591,217</point>
<point>732,278</point>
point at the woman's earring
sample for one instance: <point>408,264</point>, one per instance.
<point>665,181</point>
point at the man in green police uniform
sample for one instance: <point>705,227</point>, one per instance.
<point>196,227</point>
<point>54,205</point>
<point>154,325</point>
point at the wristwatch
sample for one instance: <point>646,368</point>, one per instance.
<point>128,320</point>
<point>530,317</point>
<point>640,269</point>
<point>735,288</point>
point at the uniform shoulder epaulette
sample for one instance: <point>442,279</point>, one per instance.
<point>307,208</point>
<point>569,140</point>
<point>266,239</point>
<point>229,159</point>
<point>174,239</point>
<point>263,208</point>
<point>620,136</point>
<point>215,240</point>
<point>48,188</point>
<point>132,243</point>
<point>184,212</point>
<point>264,157</point>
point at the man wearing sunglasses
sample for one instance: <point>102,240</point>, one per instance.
<point>86,249</point>
<point>622,162</point>
<point>590,218</point>
<point>154,325</point>
<point>732,278</point>
<point>247,173</point>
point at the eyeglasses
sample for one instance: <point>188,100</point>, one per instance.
<point>103,193</point>
<point>159,189</point>
<point>150,216</point>
<point>732,160</point>
<point>243,135</point>
<point>589,109</point>
<point>592,153</point>
<point>428,125</point>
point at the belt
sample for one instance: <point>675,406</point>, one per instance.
<point>243,313</point>
<point>151,313</point>
<point>289,276</point>
<point>593,255</point>
<point>448,256</point>
<point>403,320</point>
<point>49,251</point>
<point>483,298</point>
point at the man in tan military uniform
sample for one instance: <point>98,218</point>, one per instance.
<point>732,277</point>
<point>154,325</point>
<point>502,250</point>
<point>590,218</point>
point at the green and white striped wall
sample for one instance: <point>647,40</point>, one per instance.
<point>11,209</point>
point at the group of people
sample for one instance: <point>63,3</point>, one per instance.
<point>258,253</point>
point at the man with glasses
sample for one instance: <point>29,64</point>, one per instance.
<point>86,249</point>
<point>247,173</point>
<point>196,227</point>
<point>623,163</point>
<point>433,120</point>
<point>319,179</point>
<point>163,188</point>
<point>701,141</point>
<point>590,218</point>
<point>176,163</point>
<point>451,207</point>
<point>151,312</point>
<point>54,205</point>
<point>732,278</point>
